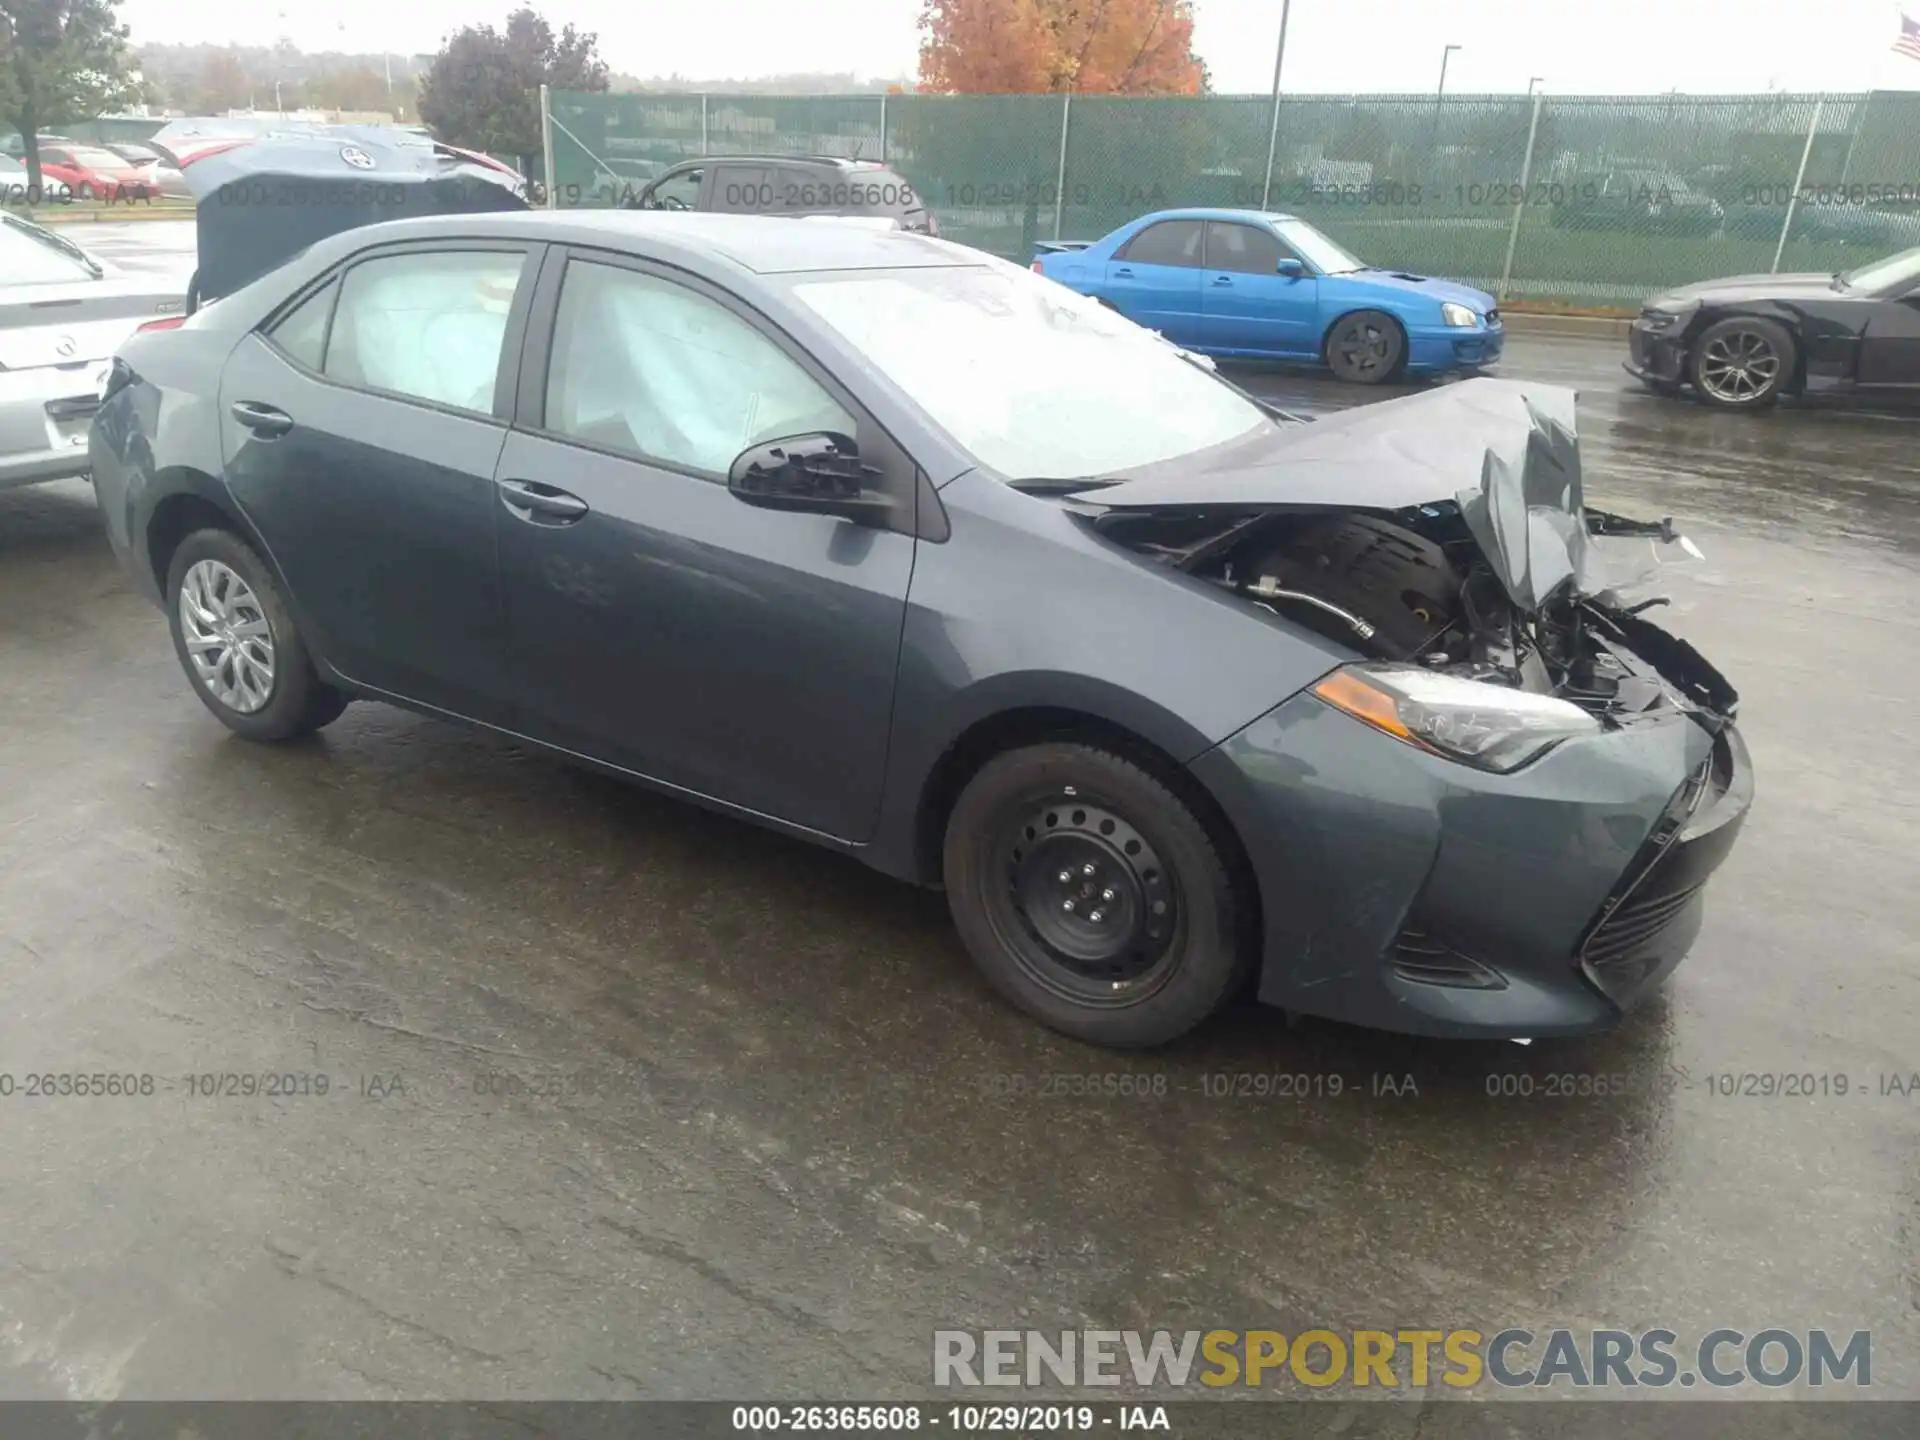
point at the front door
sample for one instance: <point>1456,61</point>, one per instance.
<point>361,436</point>
<point>1246,304</point>
<point>1890,349</point>
<point>656,621</point>
<point>1154,279</point>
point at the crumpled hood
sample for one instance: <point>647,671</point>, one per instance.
<point>1505,451</point>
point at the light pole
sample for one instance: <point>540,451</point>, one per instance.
<point>1273,135</point>
<point>1533,82</point>
<point>1433,130</point>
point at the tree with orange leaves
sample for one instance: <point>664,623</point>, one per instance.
<point>1093,47</point>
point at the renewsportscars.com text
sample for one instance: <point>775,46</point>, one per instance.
<point>1393,1359</point>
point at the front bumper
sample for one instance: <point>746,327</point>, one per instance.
<point>1407,892</point>
<point>44,416</point>
<point>1446,348</point>
<point>1657,356</point>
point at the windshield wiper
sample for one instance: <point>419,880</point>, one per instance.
<point>61,243</point>
<point>1049,485</point>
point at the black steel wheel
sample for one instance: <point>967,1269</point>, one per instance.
<point>1367,347</point>
<point>1092,896</point>
<point>1742,363</point>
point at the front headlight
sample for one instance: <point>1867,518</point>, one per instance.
<point>1487,726</point>
<point>1456,314</point>
<point>1664,316</point>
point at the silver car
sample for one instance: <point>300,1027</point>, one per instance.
<point>62,315</point>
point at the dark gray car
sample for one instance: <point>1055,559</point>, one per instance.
<point>787,185</point>
<point>905,551</point>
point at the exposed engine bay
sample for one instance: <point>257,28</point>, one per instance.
<point>1414,586</point>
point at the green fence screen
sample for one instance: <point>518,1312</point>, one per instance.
<point>1624,195</point>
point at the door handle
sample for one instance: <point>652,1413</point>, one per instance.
<point>1223,280</point>
<point>528,498</point>
<point>262,420</point>
<point>1124,273</point>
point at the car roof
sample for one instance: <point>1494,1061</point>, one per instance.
<point>1215,212</point>
<point>838,162</point>
<point>762,244</point>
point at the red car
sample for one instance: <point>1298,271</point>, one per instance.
<point>95,173</point>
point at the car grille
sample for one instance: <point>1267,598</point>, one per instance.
<point>1634,925</point>
<point>1419,957</point>
<point>1641,909</point>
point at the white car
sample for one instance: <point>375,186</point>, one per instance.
<point>15,188</point>
<point>63,313</point>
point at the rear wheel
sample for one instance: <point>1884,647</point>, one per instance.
<point>1741,363</point>
<point>238,643</point>
<point>1092,896</point>
<point>1366,347</point>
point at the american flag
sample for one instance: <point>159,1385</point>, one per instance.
<point>1909,41</point>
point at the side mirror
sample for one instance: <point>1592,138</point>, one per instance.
<point>1291,268</point>
<point>820,473</point>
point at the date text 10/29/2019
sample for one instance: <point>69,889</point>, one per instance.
<point>981,1419</point>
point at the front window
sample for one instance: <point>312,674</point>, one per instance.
<point>1892,274</point>
<point>1035,381</point>
<point>676,192</point>
<point>29,256</point>
<point>1316,249</point>
<point>655,370</point>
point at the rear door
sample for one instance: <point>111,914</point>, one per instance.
<point>1890,349</point>
<point>1154,279</point>
<point>361,430</point>
<point>1246,304</point>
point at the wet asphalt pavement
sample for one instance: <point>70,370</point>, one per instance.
<point>767,1131</point>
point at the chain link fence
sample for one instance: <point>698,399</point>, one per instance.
<point>1579,201</point>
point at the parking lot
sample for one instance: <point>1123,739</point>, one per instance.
<point>624,1099</point>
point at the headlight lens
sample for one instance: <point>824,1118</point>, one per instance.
<point>1457,314</point>
<point>1487,726</point>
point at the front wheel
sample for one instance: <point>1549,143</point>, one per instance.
<point>1092,896</point>
<point>238,643</point>
<point>1741,363</point>
<point>1366,348</point>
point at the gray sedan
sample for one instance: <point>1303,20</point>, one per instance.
<point>904,551</point>
<point>63,312</point>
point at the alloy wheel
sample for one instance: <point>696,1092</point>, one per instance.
<point>1739,366</point>
<point>227,636</point>
<point>1363,348</point>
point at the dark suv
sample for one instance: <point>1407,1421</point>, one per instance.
<point>787,185</point>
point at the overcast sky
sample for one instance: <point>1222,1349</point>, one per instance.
<point>1613,46</point>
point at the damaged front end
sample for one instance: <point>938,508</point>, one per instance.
<point>1445,531</point>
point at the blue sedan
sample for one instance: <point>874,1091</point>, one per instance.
<point>1265,286</point>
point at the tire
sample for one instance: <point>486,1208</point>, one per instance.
<point>293,700</point>
<point>1741,363</point>
<point>1367,347</point>
<point>1176,951</point>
